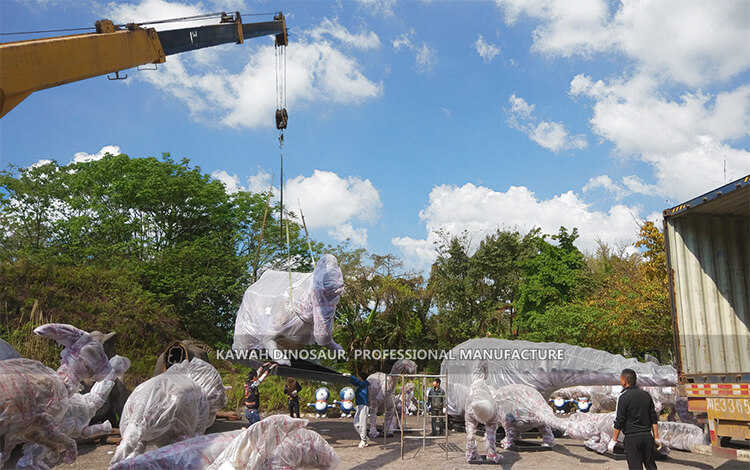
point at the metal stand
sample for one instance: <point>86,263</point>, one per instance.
<point>420,389</point>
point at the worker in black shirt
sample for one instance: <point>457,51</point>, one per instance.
<point>435,403</point>
<point>292,389</point>
<point>636,418</point>
<point>252,395</point>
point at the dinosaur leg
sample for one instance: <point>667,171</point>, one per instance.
<point>373,420</point>
<point>388,416</point>
<point>96,430</point>
<point>46,434</point>
<point>490,433</point>
<point>471,441</point>
<point>130,445</point>
<point>548,438</point>
<point>511,432</point>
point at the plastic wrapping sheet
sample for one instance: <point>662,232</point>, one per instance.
<point>209,381</point>
<point>34,399</point>
<point>75,423</point>
<point>572,365</point>
<point>517,408</point>
<point>83,407</point>
<point>604,399</point>
<point>82,357</point>
<point>408,398</point>
<point>276,443</point>
<point>303,448</point>
<point>596,430</point>
<point>7,351</point>
<point>268,314</point>
<point>33,403</point>
<point>179,404</point>
<point>381,394</point>
<point>191,454</point>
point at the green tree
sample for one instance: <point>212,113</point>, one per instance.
<point>189,242</point>
<point>555,275</point>
<point>383,307</point>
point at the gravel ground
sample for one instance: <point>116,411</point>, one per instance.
<point>341,435</point>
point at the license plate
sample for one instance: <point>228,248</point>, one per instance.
<point>729,408</point>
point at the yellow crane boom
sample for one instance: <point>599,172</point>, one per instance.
<point>33,65</point>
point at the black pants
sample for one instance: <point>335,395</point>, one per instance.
<point>639,451</point>
<point>438,425</point>
<point>294,408</point>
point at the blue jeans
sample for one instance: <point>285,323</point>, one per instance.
<point>252,416</point>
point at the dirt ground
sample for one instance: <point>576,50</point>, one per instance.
<point>341,435</point>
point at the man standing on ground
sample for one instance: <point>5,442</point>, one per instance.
<point>435,403</point>
<point>636,418</point>
<point>292,389</point>
<point>252,395</point>
<point>363,408</point>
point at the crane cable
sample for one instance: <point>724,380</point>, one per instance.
<point>281,121</point>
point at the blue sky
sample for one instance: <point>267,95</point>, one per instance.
<point>407,117</point>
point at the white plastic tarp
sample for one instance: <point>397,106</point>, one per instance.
<point>274,443</point>
<point>7,351</point>
<point>381,394</point>
<point>178,404</point>
<point>596,430</point>
<point>512,362</point>
<point>297,309</point>
<point>75,423</point>
<point>34,399</point>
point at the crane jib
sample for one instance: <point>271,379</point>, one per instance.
<point>187,39</point>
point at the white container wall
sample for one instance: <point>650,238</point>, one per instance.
<point>709,256</point>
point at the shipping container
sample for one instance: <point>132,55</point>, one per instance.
<point>707,242</point>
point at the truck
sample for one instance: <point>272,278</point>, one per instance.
<point>707,241</point>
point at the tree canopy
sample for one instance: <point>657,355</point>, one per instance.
<point>161,230</point>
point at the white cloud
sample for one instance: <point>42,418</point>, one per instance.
<point>605,182</point>
<point>481,210</point>
<point>345,232</point>
<point>684,139</point>
<point>687,174</point>
<point>231,182</point>
<point>486,50</point>
<point>82,157</point>
<point>41,162</point>
<point>635,116</point>
<point>328,200</point>
<point>317,72</point>
<point>154,10</point>
<point>425,57</point>
<point>628,185</point>
<point>259,182</point>
<point>380,7</point>
<point>638,186</point>
<point>363,40</point>
<point>550,135</point>
<point>691,42</point>
<point>403,40</point>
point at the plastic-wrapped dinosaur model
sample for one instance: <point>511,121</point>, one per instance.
<point>296,308</point>
<point>179,404</point>
<point>275,443</point>
<point>34,399</point>
<point>382,394</point>
<point>76,423</point>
